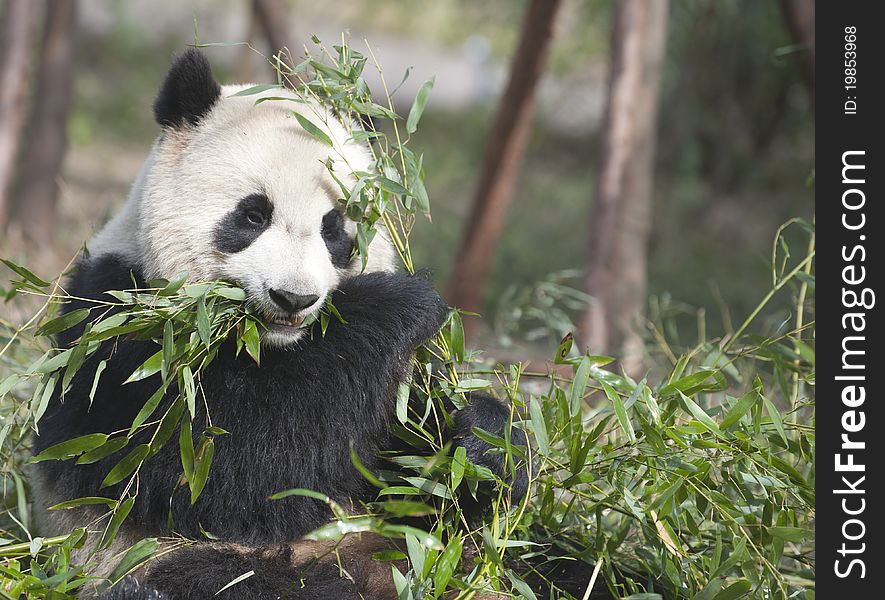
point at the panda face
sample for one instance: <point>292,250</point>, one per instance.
<point>239,191</point>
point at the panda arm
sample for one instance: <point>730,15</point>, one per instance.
<point>399,312</point>
<point>393,312</point>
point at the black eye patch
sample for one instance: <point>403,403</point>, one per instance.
<point>242,226</point>
<point>340,246</point>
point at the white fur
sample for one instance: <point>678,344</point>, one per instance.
<point>195,175</point>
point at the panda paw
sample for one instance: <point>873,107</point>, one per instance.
<point>491,415</point>
<point>400,307</point>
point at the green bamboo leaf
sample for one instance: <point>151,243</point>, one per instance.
<point>204,329</point>
<point>564,349</point>
<point>63,322</point>
<point>25,274</point>
<point>579,384</point>
<point>736,590</point>
<point>167,425</point>
<point>427,540</point>
<point>106,449</point>
<point>168,349</point>
<point>302,493</point>
<point>136,555</point>
<point>710,590</point>
<point>313,130</point>
<point>429,487</point>
<point>456,337</point>
<point>186,450</point>
<point>149,367</point>
<point>95,379</point>
<point>125,467</point>
<point>256,89</point>
<point>418,105</point>
<point>776,418</point>
<point>459,462</point>
<point>358,464</point>
<point>539,426</point>
<point>416,553</point>
<point>71,448</point>
<point>407,508</point>
<point>48,388</point>
<point>791,534</point>
<point>402,402</point>
<point>49,362</point>
<point>231,293</point>
<point>389,185</point>
<point>471,385</point>
<point>252,339</point>
<point>737,554</point>
<point>203,463</point>
<point>446,564</point>
<point>688,383</point>
<point>120,514</point>
<point>740,409</point>
<point>702,417</point>
<point>174,284</point>
<point>620,412</point>
<point>147,409</point>
<point>85,501</point>
<point>520,586</point>
<point>400,490</point>
<point>190,390</point>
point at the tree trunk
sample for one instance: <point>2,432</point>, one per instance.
<point>799,15</point>
<point>621,214</point>
<point>271,15</point>
<point>244,70</point>
<point>503,158</point>
<point>15,48</point>
<point>34,209</point>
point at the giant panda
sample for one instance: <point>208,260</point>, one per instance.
<point>238,191</point>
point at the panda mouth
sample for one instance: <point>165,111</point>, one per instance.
<point>293,322</point>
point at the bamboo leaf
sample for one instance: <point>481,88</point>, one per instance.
<point>698,413</point>
<point>201,468</point>
<point>125,467</point>
<point>71,448</point>
<point>63,322</point>
<point>313,130</point>
<point>620,411</point>
<point>418,105</point>
<point>120,514</point>
<point>459,462</point>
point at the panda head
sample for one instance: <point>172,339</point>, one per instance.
<point>237,190</point>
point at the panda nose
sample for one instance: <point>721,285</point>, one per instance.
<point>292,303</point>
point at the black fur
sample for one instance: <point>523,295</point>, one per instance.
<point>291,421</point>
<point>201,571</point>
<point>244,224</point>
<point>340,246</point>
<point>132,589</point>
<point>491,415</point>
<point>188,92</point>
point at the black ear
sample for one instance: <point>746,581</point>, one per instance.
<point>188,92</point>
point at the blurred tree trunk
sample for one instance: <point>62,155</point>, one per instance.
<point>15,49</point>
<point>503,158</point>
<point>799,15</point>
<point>621,213</point>
<point>245,70</point>
<point>271,15</point>
<point>34,208</point>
